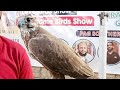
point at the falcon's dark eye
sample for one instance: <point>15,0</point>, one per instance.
<point>28,19</point>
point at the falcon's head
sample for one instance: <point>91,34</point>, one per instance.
<point>30,29</point>
<point>27,28</point>
<point>30,21</point>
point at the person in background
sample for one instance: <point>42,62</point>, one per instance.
<point>14,61</point>
<point>83,52</point>
<point>112,57</point>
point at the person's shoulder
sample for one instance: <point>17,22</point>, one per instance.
<point>89,54</point>
<point>10,43</point>
<point>116,53</point>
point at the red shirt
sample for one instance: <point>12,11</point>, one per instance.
<point>14,61</point>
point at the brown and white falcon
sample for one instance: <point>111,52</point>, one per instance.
<point>56,56</point>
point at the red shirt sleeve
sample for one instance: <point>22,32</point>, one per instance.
<point>25,67</point>
<point>14,60</point>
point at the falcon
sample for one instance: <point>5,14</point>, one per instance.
<point>56,56</point>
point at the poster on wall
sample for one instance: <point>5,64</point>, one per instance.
<point>80,30</point>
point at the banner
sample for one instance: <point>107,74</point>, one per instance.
<point>66,21</point>
<point>80,30</point>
